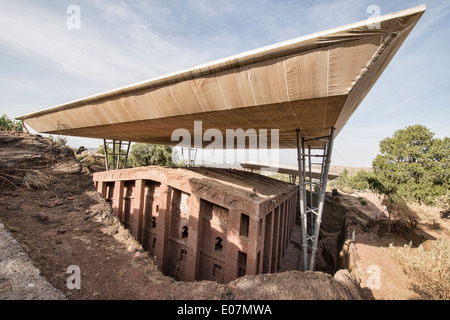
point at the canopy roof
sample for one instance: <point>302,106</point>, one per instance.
<point>311,83</point>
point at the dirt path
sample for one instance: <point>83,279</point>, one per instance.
<point>393,283</point>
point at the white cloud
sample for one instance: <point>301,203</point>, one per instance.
<point>211,8</point>
<point>327,14</point>
<point>118,49</point>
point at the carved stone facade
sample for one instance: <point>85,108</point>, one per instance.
<point>204,223</point>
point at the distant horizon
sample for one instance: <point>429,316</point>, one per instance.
<point>211,162</point>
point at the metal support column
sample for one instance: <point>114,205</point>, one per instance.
<point>114,155</point>
<point>105,148</point>
<point>118,156</point>
<point>317,190</point>
<point>126,155</point>
<point>192,155</point>
<point>301,190</point>
<point>119,159</point>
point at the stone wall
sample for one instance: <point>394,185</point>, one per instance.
<point>204,223</point>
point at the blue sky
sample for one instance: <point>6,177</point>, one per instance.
<point>43,63</point>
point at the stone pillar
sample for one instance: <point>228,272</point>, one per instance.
<point>252,247</point>
<point>117,203</point>
<point>260,245</point>
<point>275,238</point>
<point>231,251</point>
<point>193,250</point>
<point>101,188</point>
<point>281,235</point>
<point>286,224</point>
<point>268,236</point>
<point>138,209</point>
<point>162,227</point>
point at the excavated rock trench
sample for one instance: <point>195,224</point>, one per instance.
<point>51,218</point>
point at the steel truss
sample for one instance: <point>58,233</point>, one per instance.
<point>311,205</point>
<point>191,155</point>
<point>119,156</point>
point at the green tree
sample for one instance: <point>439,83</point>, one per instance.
<point>413,164</point>
<point>7,124</point>
<point>342,181</point>
<point>360,181</point>
<point>143,154</point>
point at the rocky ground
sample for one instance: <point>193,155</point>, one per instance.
<point>19,278</point>
<point>52,219</point>
<point>371,242</point>
<point>49,206</point>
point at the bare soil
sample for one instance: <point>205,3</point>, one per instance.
<point>372,242</point>
<point>394,283</point>
<point>55,219</point>
<point>49,205</point>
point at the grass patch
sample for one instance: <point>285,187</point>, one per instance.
<point>430,269</point>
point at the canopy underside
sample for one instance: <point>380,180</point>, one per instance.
<point>311,83</point>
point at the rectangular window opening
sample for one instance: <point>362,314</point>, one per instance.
<point>244,226</point>
<point>183,254</point>
<point>260,225</point>
<point>242,264</point>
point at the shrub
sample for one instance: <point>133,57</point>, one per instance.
<point>7,124</point>
<point>444,201</point>
<point>362,201</point>
<point>430,269</point>
<point>399,207</point>
<point>91,161</point>
<point>360,181</point>
<point>62,141</point>
<point>341,182</point>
